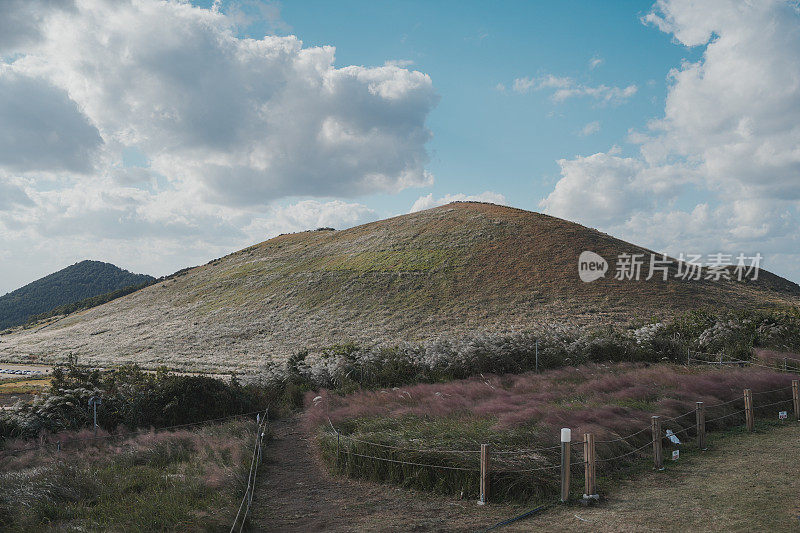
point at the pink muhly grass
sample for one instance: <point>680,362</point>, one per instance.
<point>79,445</point>
<point>774,357</point>
<point>608,398</point>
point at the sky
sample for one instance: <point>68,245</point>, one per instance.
<point>157,135</point>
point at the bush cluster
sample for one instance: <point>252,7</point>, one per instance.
<point>348,367</point>
<point>131,398</point>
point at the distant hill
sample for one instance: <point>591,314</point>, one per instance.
<point>80,282</point>
<point>459,268</point>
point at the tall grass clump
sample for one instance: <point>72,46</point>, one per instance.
<point>164,481</point>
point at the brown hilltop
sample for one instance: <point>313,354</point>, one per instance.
<point>448,270</point>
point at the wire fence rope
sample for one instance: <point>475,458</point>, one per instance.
<point>255,461</point>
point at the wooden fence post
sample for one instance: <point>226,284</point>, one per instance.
<point>701,425</point>
<point>658,458</point>
<point>748,409</point>
<point>566,438</point>
<point>590,488</point>
<point>484,475</point>
<point>796,398</point>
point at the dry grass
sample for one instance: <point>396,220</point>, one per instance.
<point>744,482</point>
<point>24,386</point>
<point>447,271</point>
<point>185,480</point>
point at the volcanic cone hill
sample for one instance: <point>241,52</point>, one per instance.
<point>454,269</point>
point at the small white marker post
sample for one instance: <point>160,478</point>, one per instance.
<point>566,437</point>
<point>94,401</point>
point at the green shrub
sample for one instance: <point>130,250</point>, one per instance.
<point>132,398</point>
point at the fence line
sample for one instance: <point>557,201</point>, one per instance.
<point>623,439</point>
<point>520,451</point>
<point>255,462</point>
<point>625,454</point>
<point>750,362</point>
<point>589,461</point>
<point>386,459</point>
<point>739,412</point>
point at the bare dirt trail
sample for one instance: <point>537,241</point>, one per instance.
<point>296,494</point>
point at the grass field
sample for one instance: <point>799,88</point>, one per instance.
<point>744,482</point>
<point>24,386</point>
<point>184,480</point>
<point>519,416</point>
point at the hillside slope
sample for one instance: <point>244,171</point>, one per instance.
<point>72,284</point>
<point>448,270</point>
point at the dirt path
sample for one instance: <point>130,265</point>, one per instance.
<point>295,494</point>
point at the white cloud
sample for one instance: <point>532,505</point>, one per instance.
<point>595,62</point>
<point>228,127</point>
<point>246,120</point>
<point>21,23</point>
<point>566,87</point>
<point>730,132</point>
<point>599,188</point>
<point>601,93</point>
<point>523,85</point>
<point>41,128</point>
<point>146,232</point>
<point>591,128</point>
<point>12,193</point>
<point>428,201</point>
<point>400,63</point>
<point>311,214</point>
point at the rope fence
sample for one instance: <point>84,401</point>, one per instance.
<point>663,430</point>
<point>722,359</point>
<point>255,462</point>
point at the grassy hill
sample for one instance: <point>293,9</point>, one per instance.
<point>450,270</point>
<point>81,281</point>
